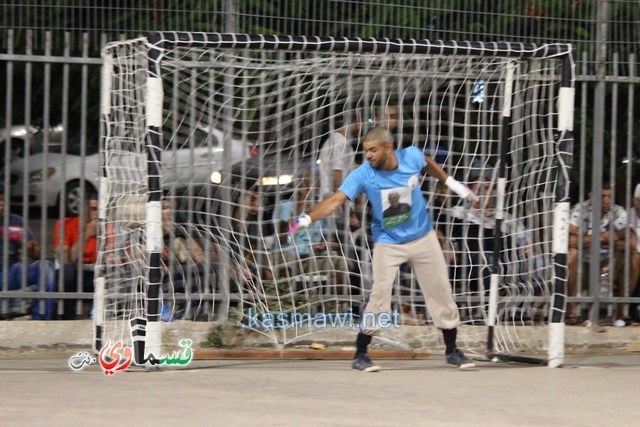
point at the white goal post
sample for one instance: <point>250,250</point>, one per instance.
<point>212,142</point>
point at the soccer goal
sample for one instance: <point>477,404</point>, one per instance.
<point>213,143</point>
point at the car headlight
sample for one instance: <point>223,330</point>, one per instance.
<point>216,177</point>
<point>277,180</point>
<point>40,174</point>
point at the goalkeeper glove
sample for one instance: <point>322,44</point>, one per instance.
<point>303,221</point>
<point>460,189</point>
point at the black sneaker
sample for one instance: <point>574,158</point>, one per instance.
<point>362,362</point>
<point>458,358</point>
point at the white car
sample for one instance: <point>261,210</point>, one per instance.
<point>182,166</point>
<point>19,134</point>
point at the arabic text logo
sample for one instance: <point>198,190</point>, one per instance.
<point>118,357</point>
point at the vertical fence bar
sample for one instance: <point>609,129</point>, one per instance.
<point>598,153</point>
<point>7,162</point>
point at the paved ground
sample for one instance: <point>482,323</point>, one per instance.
<point>38,388</point>
<point>595,388</point>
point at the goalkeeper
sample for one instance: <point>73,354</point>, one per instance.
<point>406,237</point>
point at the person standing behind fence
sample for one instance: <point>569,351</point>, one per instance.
<point>634,220</point>
<point>337,156</point>
<point>337,159</point>
<point>411,239</point>
<point>40,273</point>
<point>75,246</point>
<point>387,116</point>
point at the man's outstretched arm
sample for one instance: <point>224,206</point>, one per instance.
<point>434,170</point>
<point>320,211</point>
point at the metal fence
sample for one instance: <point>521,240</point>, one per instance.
<point>591,25</point>
<point>49,80</point>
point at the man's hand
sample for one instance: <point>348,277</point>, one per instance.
<point>460,189</point>
<point>303,221</point>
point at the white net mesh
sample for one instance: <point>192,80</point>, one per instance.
<point>243,139</point>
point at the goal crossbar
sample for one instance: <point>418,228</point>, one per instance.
<point>358,45</point>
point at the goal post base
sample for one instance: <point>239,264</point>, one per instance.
<point>498,357</point>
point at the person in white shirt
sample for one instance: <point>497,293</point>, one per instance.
<point>337,156</point>
<point>634,221</point>
<point>614,221</point>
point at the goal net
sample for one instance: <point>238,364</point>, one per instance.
<point>214,143</point>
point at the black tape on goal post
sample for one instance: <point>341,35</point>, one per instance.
<point>563,146</point>
<point>153,223</point>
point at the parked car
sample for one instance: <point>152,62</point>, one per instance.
<point>182,166</point>
<point>19,134</point>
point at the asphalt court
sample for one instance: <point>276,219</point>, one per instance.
<point>39,388</point>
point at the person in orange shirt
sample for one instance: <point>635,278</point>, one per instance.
<point>78,252</point>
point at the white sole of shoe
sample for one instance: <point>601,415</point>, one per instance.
<point>369,369</point>
<point>468,365</point>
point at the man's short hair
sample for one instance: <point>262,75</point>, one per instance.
<point>91,195</point>
<point>379,133</point>
<point>606,184</point>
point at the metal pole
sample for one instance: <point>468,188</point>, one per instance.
<point>597,156</point>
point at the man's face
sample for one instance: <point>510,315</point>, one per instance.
<point>376,153</point>
<point>606,200</point>
<point>484,191</point>
<point>355,128</point>
<point>390,119</point>
<point>252,202</point>
<point>92,210</point>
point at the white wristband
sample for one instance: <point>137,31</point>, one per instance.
<point>459,188</point>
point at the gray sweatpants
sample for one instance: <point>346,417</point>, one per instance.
<point>427,261</point>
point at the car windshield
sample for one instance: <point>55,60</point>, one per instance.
<point>185,139</point>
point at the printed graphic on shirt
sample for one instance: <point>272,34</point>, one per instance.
<point>396,206</point>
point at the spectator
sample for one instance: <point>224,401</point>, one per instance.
<point>337,155</point>
<point>387,116</point>
<point>249,229</point>
<point>310,250</point>
<point>189,271</point>
<point>613,226</point>
<point>337,159</point>
<point>472,233</point>
<point>78,251</point>
<point>634,220</point>
<point>40,273</point>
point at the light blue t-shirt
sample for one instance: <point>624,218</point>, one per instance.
<point>399,208</point>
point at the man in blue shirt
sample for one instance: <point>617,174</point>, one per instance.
<point>35,270</point>
<point>399,238</point>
